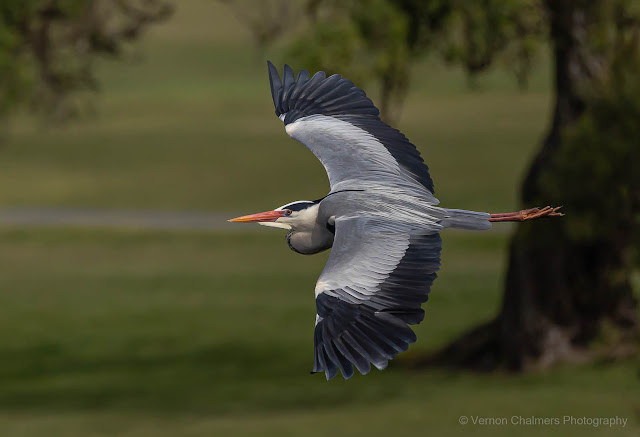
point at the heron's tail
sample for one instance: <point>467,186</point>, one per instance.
<point>462,219</point>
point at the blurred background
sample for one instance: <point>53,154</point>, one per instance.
<point>131,130</point>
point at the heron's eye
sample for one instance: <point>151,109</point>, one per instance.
<point>288,212</point>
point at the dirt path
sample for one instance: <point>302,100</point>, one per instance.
<point>144,219</point>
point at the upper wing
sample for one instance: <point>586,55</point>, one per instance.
<point>340,125</point>
<point>377,276</point>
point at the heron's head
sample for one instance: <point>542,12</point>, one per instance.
<point>292,216</point>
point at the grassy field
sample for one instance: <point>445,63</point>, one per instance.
<point>141,333</point>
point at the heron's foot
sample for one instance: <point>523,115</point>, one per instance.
<point>527,214</point>
<point>547,211</point>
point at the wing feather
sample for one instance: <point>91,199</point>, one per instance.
<point>390,154</point>
<point>365,303</point>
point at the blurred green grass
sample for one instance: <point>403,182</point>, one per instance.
<point>153,333</point>
<point>141,333</point>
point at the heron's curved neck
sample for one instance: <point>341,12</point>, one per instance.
<point>308,234</point>
<point>310,242</point>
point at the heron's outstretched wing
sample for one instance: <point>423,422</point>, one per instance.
<point>377,276</point>
<point>340,125</point>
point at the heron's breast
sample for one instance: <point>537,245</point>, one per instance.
<point>310,242</point>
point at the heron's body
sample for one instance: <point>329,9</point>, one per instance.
<point>380,218</point>
<point>316,229</point>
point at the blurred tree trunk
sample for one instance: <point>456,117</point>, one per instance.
<point>561,293</point>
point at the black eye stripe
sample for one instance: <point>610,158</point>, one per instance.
<point>298,206</point>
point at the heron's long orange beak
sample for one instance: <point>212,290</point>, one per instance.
<point>267,216</point>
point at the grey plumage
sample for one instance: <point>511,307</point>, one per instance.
<point>364,304</point>
<point>381,208</point>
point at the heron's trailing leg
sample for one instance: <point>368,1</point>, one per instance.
<point>526,214</point>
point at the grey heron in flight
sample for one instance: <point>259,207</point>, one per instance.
<point>380,218</point>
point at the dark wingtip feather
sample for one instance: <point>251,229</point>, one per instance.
<point>303,76</point>
<point>320,75</point>
<point>276,85</point>
<point>288,82</point>
<point>302,95</point>
<point>287,77</point>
